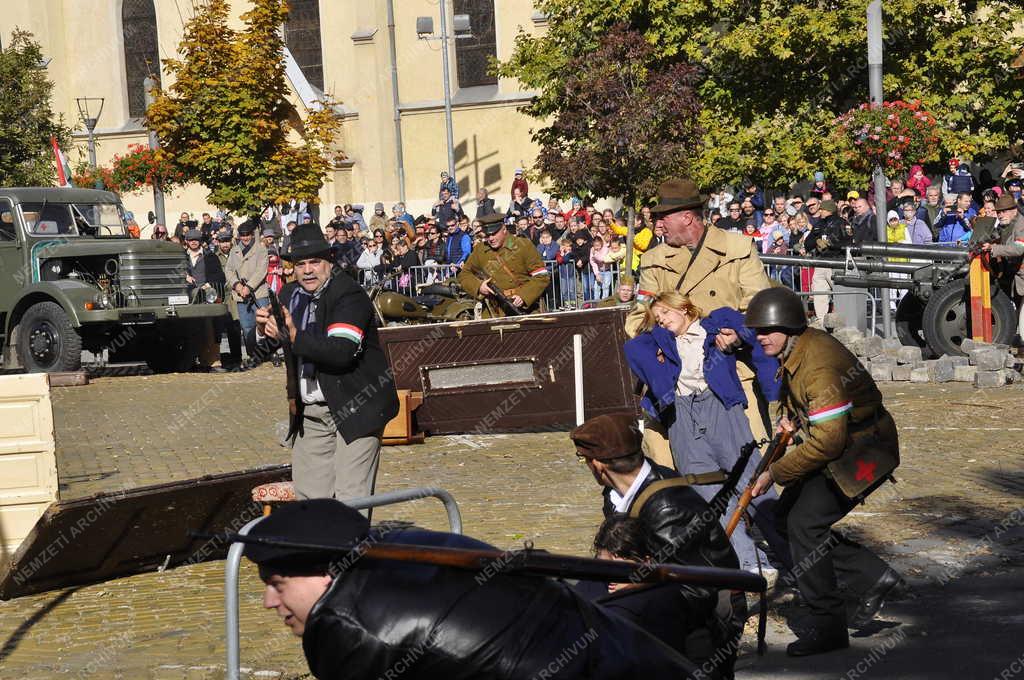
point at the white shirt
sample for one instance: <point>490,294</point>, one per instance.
<point>309,390</point>
<point>622,502</point>
<point>690,346</point>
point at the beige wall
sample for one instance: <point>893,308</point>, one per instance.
<point>83,39</point>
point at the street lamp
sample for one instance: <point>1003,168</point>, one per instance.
<point>149,84</point>
<point>424,31</point>
<point>86,106</point>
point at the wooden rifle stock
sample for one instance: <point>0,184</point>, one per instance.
<point>492,562</point>
<point>777,448</point>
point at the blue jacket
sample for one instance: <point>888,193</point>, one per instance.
<point>719,368</point>
<point>457,247</point>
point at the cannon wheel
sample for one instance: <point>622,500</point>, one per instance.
<point>910,322</point>
<point>947,319</point>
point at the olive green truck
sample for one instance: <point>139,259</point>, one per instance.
<point>71,278</point>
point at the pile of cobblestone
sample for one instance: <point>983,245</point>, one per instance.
<point>984,364</point>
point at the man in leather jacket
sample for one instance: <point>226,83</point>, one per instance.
<point>681,527</point>
<point>361,618</point>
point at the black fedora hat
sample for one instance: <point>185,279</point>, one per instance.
<point>307,240</point>
<point>678,194</point>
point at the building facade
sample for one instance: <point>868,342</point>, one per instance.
<point>346,48</point>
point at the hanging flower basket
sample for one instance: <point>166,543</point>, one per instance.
<point>894,135</point>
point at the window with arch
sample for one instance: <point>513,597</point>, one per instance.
<point>302,35</point>
<point>473,54</point>
<point>141,51</point>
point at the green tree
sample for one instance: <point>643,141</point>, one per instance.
<point>226,122</point>
<point>777,73</point>
<point>26,119</point>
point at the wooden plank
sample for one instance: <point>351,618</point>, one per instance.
<point>69,379</point>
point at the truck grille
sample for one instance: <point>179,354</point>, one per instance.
<point>151,279</point>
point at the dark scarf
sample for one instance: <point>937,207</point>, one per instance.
<point>247,248</point>
<point>302,307</point>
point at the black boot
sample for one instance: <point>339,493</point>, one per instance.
<point>819,641</point>
<point>872,601</point>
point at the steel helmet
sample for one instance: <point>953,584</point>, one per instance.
<point>776,307</point>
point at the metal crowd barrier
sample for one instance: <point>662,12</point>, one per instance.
<point>234,558</point>
<point>796,282</point>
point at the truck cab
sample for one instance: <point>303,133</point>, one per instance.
<point>72,278</point>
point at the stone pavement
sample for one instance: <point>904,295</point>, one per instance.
<point>952,525</point>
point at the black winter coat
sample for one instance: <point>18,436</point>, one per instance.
<point>419,622</point>
<point>351,367</point>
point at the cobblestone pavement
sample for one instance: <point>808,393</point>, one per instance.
<point>952,525</point>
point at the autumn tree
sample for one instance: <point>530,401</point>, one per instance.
<point>776,74</point>
<point>619,128</point>
<point>226,122</point>
<point>27,121</point>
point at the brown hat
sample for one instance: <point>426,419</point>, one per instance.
<point>608,436</point>
<point>678,194</point>
<point>829,207</point>
<point>1006,202</point>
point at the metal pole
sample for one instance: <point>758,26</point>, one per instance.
<point>231,640</point>
<point>447,89</point>
<point>874,19</point>
<point>148,85</point>
<point>395,100</point>
<point>630,235</point>
<point>577,360</point>
<point>97,183</point>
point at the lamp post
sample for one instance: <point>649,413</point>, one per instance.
<point>875,49</point>
<point>424,29</point>
<point>148,85</point>
<point>85,107</point>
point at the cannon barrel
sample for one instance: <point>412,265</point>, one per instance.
<point>875,266</point>
<point>917,251</point>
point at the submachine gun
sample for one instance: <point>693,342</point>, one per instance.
<point>499,297</point>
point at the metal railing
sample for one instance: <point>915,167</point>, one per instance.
<point>799,280</point>
<point>234,558</point>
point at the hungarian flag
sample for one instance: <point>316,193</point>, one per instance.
<point>63,169</point>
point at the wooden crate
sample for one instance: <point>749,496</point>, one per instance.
<point>400,429</point>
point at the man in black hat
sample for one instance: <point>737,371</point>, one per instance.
<point>345,393</point>
<point>363,618</point>
<point>506,263</point>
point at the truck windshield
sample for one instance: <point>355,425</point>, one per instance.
<point>74,219</point>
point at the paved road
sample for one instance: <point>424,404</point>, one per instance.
<point>952,526</point>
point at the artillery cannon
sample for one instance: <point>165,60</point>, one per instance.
<point>935,312</point>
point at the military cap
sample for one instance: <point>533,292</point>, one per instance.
<point>492,223</point>
<point>247,227</point>
<point>193,235</point>
<point>608,436</point>
<point>829,207</point>
<point>678,194</point>
<point>323,521</point>
<point>1006,202</point>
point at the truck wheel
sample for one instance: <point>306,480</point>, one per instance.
<point>170,355</point>
<point>47,342</point>
<point>909,320</point>
<point>947,318</point>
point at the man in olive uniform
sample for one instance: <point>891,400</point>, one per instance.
<point>507,264</point>
<point>849,447</point>
<point>713,267</point>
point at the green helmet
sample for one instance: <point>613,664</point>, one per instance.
<point>776,307</point>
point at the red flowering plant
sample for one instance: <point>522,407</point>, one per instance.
<point>895,135</point>
<point>142,167</point>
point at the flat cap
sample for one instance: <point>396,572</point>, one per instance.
<point>608,436</point>
<point>323,521</point>
<point>193,235</point>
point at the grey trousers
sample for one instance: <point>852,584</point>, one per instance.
<point>325,466</point>
<point>706,437</point>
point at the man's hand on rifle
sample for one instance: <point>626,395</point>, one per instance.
<point>266,324</point>
<point>763,483</point>
<point>785,425</point>
<point>485,288</point>
<point>517,301</point>
<point>242,289</point>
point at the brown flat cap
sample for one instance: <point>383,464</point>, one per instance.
<point>608,436</point>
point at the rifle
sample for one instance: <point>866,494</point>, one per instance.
<point>285,342</point>
<point>506,304</point>
<point>527,560</point>
<point>775,451</point>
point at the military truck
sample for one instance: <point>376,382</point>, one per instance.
<point>71,278</point>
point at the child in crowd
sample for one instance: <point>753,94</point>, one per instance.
<point>601,269</point>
